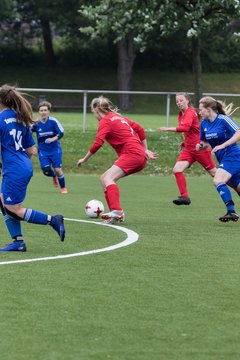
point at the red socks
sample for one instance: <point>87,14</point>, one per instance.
<point>181,183</point>
<point>112,196</point>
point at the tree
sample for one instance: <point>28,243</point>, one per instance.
<point>129,23</point>
<point>201,16</point>
<point>132,23</point>
<point>40,13</point>
<point>50,18</point>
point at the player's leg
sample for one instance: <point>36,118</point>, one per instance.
<point>234,183</point>
<point>57,165</point>
<point>111,189</point>
<point>220,179</point>
<point>205,159</point>
<point>47,169</point>
<point>14,228</point>
<point>61,180</point>
<point>179,168</point>
<point>36,217</point>
<point>13,194</point>
<point>125,165</point>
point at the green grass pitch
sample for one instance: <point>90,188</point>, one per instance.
<point>172,295</point>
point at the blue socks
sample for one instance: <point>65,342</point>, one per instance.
<point>31,216</point>
<point>61,180</point>
<point>226,196</point>
<point>14,227</point>
<point>36,217</point>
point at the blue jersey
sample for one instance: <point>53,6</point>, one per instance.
<point>219,131</point>
<point>48,129</point>
<point>15,138</point>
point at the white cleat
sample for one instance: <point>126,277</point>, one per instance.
<point>113,217</point>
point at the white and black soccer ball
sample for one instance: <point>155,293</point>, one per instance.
<point>94,208</point>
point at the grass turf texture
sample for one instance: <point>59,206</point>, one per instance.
<point>172,295</point>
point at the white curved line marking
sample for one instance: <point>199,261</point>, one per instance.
<point>132,237</point>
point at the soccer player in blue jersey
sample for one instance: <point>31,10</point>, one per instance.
<point>221,132</point>
<point>49,132</point>
<point>17,147</point>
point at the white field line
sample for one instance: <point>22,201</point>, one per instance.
<point>132,237</point>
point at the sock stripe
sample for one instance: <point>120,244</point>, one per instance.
<point>27,214</point>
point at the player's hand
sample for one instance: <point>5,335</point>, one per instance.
<point>151,155</point>
<point>49,140</point>
<point>218,147</point>
<point>199,147</point>
<point>80,162</point>
<point>181,146</point>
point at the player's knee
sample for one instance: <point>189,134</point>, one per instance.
<point>47,170</point>
<point>212,172</point>
<point>102,179</point>
<point>58,171</point>
<point>217,182</point>
<point>12,214</point>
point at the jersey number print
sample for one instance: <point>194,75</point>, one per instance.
<point>17,136</point>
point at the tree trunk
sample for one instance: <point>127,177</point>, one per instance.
<point>197,70</point>
<point>48,44</point>
<point>126,57</point>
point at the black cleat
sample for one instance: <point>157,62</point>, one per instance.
<point>230,216</point>
<point>182,201</point>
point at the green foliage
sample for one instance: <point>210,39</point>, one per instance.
<point>202,15</point>
<point>122,18</point>
<point>221,58</point>
<point>143,18</point>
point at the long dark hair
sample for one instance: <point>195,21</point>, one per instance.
<point>11,98</point>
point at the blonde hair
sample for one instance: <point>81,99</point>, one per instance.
<point>218,106</point>
<point>11,98</point>
<point>103,105</point>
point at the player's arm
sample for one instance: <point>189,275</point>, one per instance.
<point>166,128</point>
<point>33,128</point>
<point>232,140</point>
<point>150,154</point>
<point>29,144</point>
<point>32,151</point>
<point>58,130</point>
<point>84,159</point>
<point>142,136</point>
<point>103,130</point>
<point>203,144</point>
<point>54,138</point>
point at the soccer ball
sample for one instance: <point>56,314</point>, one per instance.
<point>94,208</point>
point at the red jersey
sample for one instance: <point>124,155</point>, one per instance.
<point>121,133</point>
<point>188,124</point>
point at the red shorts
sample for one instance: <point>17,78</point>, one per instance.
<point>131,163</point>
<point>204,158</point>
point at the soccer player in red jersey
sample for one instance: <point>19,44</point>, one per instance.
<point>128,139</point>
<point>188,124</point>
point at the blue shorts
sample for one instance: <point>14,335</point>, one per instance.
<point>234,181</point>
<point>54,160</point>
<point>231,164</point>
<point>14,189</point>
